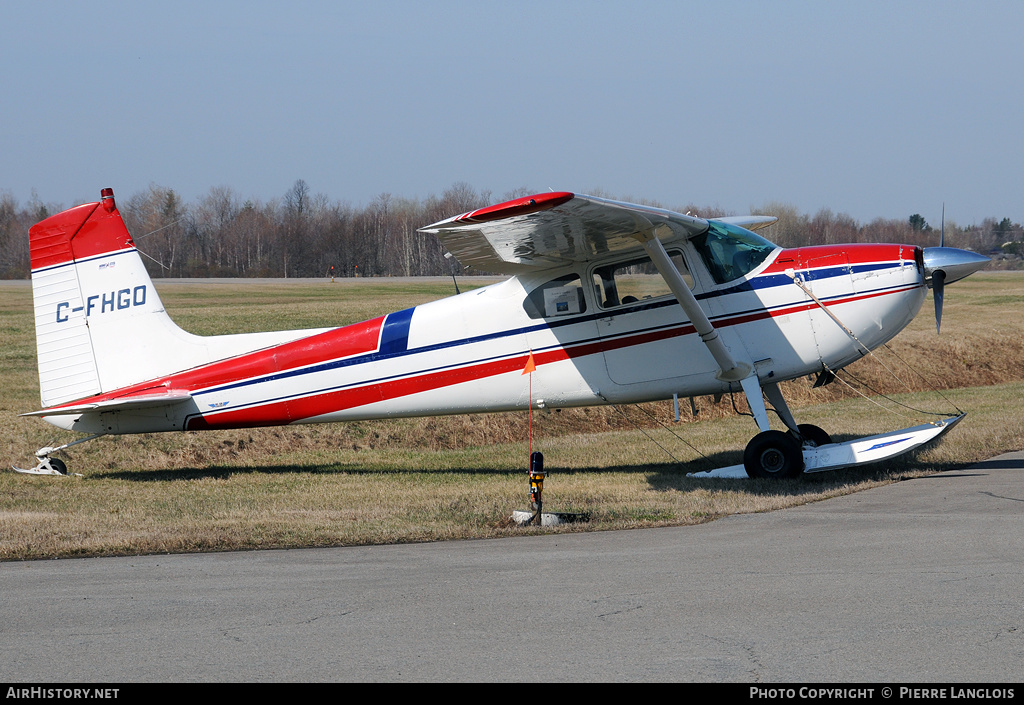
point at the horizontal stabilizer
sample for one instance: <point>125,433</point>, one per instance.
<point>142,401</point>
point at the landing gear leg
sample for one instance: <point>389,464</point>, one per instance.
<point>752,389</point>
<point>53,466</point>
<point>771,453</point>
<point>774,395</point>
<point>809,435</point>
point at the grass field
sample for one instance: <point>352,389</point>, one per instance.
<point>461,477</point>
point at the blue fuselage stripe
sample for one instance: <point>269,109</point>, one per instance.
<point>394,338</point>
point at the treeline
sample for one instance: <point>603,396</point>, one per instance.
<point>306,235</point>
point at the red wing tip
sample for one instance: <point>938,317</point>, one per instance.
<point>518,206</point>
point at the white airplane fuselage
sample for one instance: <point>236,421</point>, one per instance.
<point>467,353</point>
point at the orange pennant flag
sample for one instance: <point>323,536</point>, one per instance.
<point>530,367</point>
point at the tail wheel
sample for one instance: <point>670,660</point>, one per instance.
<point>773,454</point>
<point>814,436</point>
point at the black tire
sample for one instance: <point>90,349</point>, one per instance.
<point>58,465</point>
<point>773,454</point>
<point>814,435</point>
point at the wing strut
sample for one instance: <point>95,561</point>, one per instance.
<point>730,369</point>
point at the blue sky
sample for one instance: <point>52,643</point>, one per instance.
<point>875,109</point>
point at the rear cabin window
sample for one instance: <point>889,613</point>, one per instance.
<point>555,298</point>
<point>623,283</point>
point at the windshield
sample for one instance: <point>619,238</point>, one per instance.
<point>729,251</point>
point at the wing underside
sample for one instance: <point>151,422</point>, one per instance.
<point>553,229</point>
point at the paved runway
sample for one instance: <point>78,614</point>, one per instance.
<point>919,581</point>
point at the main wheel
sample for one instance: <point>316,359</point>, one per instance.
<point>813,435</point>
<point>58,465</point>
<point>773,454</point>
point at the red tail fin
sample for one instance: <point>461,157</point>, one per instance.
<point>84,231</point>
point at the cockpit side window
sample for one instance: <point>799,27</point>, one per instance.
<point>729,251</point>
<point>622,283</point>
<point>562,296</point>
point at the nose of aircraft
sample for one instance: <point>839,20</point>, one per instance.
<point>943,265</point>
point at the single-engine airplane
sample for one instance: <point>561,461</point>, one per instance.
<point>727,312</point>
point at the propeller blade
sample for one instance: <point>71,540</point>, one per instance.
<point>938,289</point>
<point>942,232</point>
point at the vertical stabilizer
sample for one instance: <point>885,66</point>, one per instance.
<point>84,268</point>
<point>100,324</point>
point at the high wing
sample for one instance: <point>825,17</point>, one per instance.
<point>553,229</point>
<point>560,228</point>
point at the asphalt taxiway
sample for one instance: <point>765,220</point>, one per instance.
<point>919,581</point>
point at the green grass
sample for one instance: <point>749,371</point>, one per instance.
<point>461,477</point>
